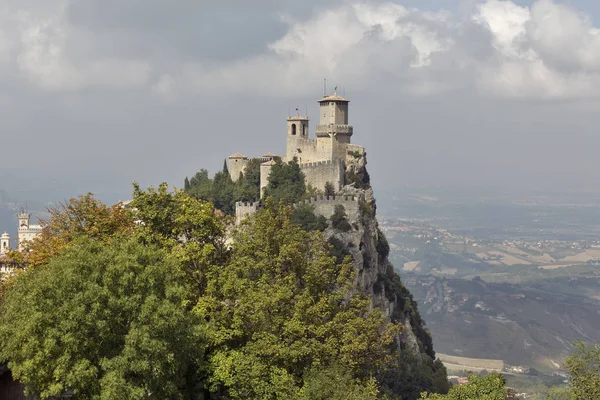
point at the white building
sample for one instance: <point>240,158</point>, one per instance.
<point>27,231</point>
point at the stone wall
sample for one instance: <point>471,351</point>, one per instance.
<point>237,165</point>
<point>319,173</point>
<point>305,150</point>
<point>324,205</point>
<point>244,210</point>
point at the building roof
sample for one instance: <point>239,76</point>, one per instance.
<point>237,155</point>
<point>269,163</point>
<point>297,118</point>
<point>270,155</point>
<point>5,235</point>
<point>334,97</point>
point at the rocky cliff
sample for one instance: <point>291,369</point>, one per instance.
<point>364,241</point>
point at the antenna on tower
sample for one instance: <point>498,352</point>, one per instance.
<point>324,87</point>
<point>289,112</point>
<point>297,112</point>
<point>344,89</point>
<point>306,110</point>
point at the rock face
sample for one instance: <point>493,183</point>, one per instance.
<point>376,277</point>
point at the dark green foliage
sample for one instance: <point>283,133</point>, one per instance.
<point>408,377</point>
<point>329,189</point>
<point>382,246</point>
<point>186,184</point>
<point>338,249</point>
<point>304,215</point>
<point>223,191</point>
<point>248,186</point>
<point>286,182</point>
<point>199,186</point>
<point>339,220</point>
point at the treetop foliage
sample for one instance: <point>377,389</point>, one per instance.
<point>147,301</point>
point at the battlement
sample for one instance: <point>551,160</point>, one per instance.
<point>329,199</point>
<point>325,205</point>
<point>246,204</point>
<point>318,163</point>
<point>335,128</point>
<point>244,209</point>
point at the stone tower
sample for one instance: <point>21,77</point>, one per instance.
<point>333,131</point>
<point>297,139</point>
<point>4,243</point>
<point>23,217</point>
<point>237,164</point>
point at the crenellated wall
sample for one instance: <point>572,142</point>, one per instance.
<point>319,173</point>
<point>324,205</point>
<point>244,210</point>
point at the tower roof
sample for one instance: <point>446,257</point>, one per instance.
<point>5,235</point>
<point>270,155</point>
<point>297,118</point>
<point>237,155</point>
<point>334,97</point>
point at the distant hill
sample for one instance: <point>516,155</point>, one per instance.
<point>531,325</point>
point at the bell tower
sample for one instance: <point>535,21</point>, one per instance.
<point>23,217</point>
<point>4,243</point>
<point>297,137</point>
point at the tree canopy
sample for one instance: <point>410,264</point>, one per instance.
<point>286,182</point>
<point>105,320</point>
<point>284,306</point>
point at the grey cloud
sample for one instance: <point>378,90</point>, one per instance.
<point>96,94</point>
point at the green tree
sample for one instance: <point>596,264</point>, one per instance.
<point>200,186</point>
<point>186,227</point>
<point>339,220</point>
<point>489,387</point>
<point>286,182</point>
<point>106,320</point>
<point>304,215</point>
<point>584,371</point>
<point>336,383</point>
<point>186,184</point>
<point>283,306</point>
<point>77,217</point>
<point>223,191</point>
<point>249,184</point>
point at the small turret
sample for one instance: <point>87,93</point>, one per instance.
<point>4,243</point>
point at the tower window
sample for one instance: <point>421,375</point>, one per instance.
<point>293,129</point>
<point>304,130</point>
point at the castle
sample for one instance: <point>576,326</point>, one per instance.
<point>322,160</point>
<point>26,232</point>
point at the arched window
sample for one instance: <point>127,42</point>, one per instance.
<point>293,129</point>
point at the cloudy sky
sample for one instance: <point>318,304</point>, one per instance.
<point>98,93</point>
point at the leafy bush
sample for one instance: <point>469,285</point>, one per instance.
<point>304,215</point>
<point>339,220</point>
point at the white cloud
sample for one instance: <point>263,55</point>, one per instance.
<point>548,50</point>
<point>36,44</point>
